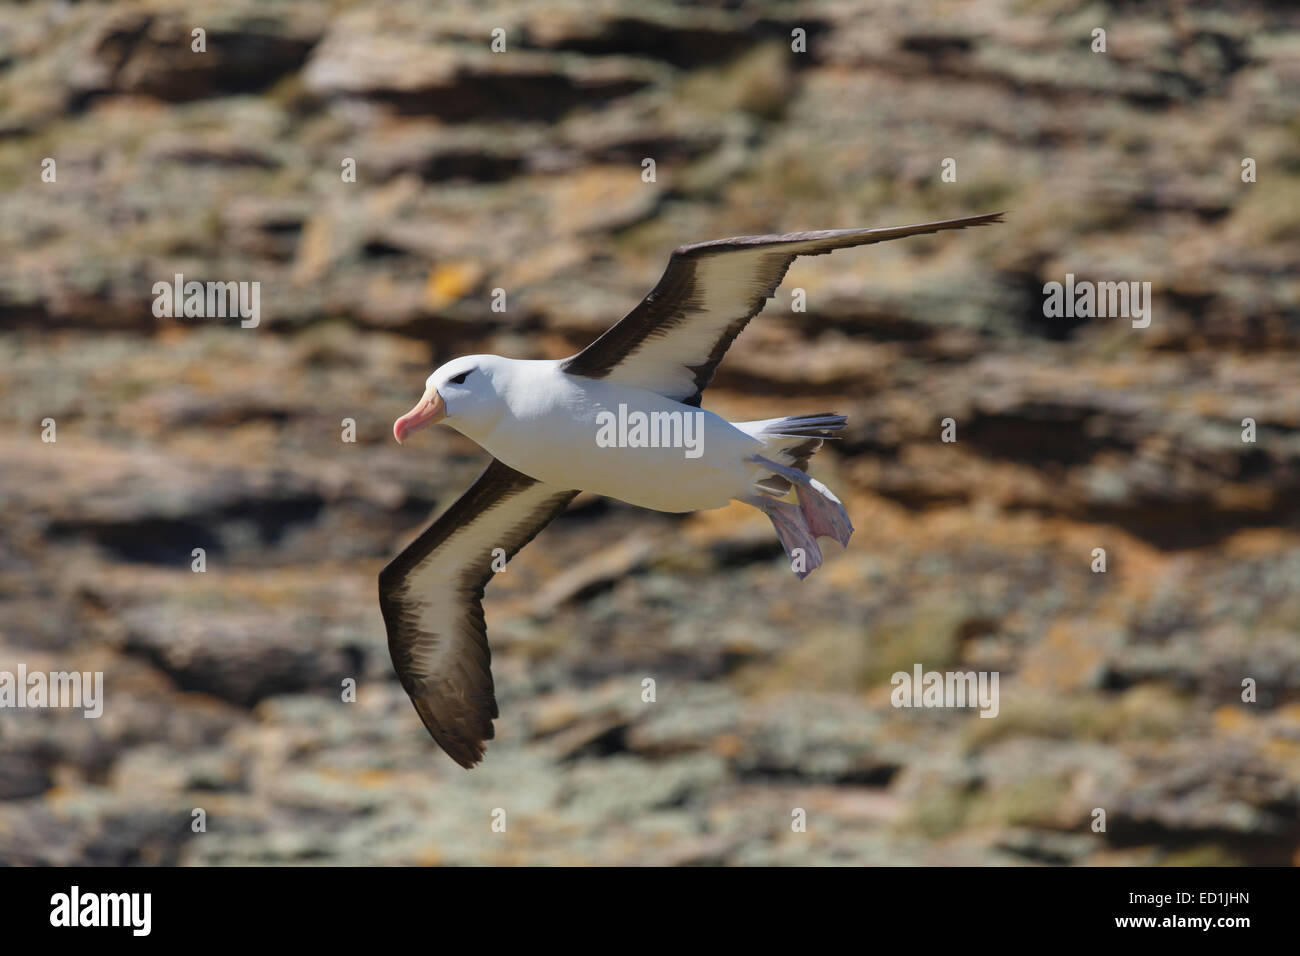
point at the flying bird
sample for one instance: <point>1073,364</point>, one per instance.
<point>555,428</point>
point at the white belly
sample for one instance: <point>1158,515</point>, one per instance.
<point>652,452</point>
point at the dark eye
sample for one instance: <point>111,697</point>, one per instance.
<point>460,379</point>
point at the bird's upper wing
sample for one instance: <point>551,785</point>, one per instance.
<point>673,340</point>
<point>431,597</point>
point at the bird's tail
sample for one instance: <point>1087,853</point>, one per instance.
<point>790,442</point>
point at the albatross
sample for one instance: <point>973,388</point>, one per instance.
<point>546,426</point>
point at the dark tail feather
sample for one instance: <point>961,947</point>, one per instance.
<point>817,425</point>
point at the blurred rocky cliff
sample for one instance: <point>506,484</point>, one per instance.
<point>522,171</point>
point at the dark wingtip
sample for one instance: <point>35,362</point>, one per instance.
<point>983,219</point>
<point>466,750</point>
<point>468,756</point>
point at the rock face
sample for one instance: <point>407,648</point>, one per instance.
<point>1170,451</point>
<point>135,52</point>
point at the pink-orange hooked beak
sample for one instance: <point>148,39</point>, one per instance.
<point>429,410</point>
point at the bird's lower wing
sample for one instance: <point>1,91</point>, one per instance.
<point>674,339</point>
<point>431,596</point>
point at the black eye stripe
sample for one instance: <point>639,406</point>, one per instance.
<point>460,379</point>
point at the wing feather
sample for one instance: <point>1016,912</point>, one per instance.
<point>672,342</point>
<point>431,596</point>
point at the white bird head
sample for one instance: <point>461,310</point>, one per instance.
<point>463,393</point>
